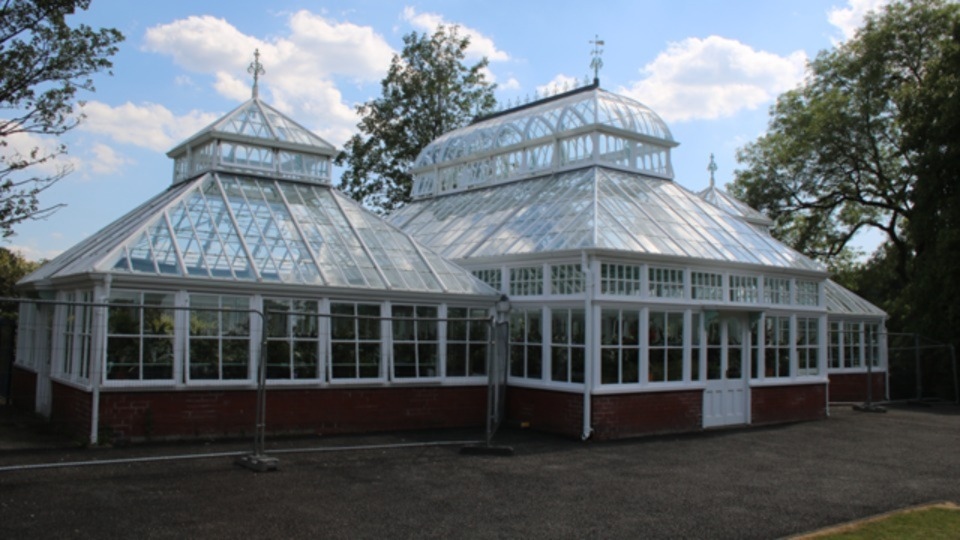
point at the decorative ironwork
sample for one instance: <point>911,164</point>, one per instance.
<point>596,63</point>
<point>256,69</point>
<point>712,167</point>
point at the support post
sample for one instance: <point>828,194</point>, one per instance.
<point>498,350</point>
<point>258,460</point>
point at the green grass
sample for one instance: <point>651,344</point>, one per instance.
<point>931,523</point>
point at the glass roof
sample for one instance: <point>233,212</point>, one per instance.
<point>255,119</point>
<point>842,301</point>
<point>592,207</point>
<point>240,228</point>
<point>551,117</point>
<point>734,206</point>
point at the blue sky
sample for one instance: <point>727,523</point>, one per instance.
<point>711,69</point>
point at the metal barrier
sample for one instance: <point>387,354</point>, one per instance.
<point>921,369</point>
<point>69,340</point>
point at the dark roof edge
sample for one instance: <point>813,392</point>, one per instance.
<point>478,119</point>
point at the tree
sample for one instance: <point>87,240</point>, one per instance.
<point>932,125</point>
<point>12,267</point>
<point>834,160</point>
<point>427,92</point>
<point>45,62</point>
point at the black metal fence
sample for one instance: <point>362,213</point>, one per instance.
<point>921,369</point>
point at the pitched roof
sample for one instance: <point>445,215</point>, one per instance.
<point>592,207</point>
<point>257,122</point>
<point>842,301</point>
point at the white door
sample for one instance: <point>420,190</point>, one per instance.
<point>726,397</point>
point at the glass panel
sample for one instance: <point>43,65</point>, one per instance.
<point>714,350</point>
<point>734,349</point>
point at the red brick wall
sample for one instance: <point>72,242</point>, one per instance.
<point>71,409</point>
<point>774,404</point>
<point>629,415</point>
<point>23,389</point>
<point>546,410</point>
<point>192,413</point>
<point>853,387</point>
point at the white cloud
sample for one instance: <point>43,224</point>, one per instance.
<point>105,160</point>
<point>560,83</point>
<point>148,125</point>
<point>714,77</point>
<point>23,144</point>
<point>300,66</point>
<point>511,84</point>
<point>849,19</point>
<point>202,43</point>
<point>480,45</point>
<point>232,87</point>
<point>32,252</point>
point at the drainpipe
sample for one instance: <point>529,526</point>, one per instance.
<point>588,345</point>
<point>96,363</point>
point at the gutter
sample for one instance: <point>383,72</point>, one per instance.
<point>589,340</point>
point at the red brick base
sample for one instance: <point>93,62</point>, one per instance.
<point>193,413</point>
<point>777,404</point>
<point>853,387</point>
<point>630,415</point>
<point>71,410</point>
<point>546,410</point>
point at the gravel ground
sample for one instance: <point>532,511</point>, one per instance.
<point>743,483</point>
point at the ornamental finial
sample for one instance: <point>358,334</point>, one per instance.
<point>596,63</point>
<point>712,167</point>
<point>256,69</point>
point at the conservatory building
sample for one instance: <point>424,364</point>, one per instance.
<point>638,306</point>
<point>157,325</point>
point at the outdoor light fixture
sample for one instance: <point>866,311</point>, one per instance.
<point>503,307</point>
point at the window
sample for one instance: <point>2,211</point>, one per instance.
<point>219,337</point>
<point>851,345</point>
<point>835,359</point>
<point>467,333</point>
<point>292,339</point>
<point>707,286</point>
<point>665,333</point>
<point>415,342</point>
<point>620,279</point>
<point>246,156</point>
<point>140,336</point>
<point>695,341</point>
<point>526,344</point>
<point>355,342</point>
<point>755,347</point>
<point>566,279</point>
<point>491,277</point>
<point>526,281</point>
<point>744,289</point>
<point>776,354</point>
<point>808,341</point>
<point>567,340</point>
<point>296,164</point>
<point>576,149</point>
<point>77,335</point>
<point>714,348</point>
<point>776,290</point>
<point>871,341</point>
<point>619,346</point>
<point>666,282</point>
<point>808,293</point>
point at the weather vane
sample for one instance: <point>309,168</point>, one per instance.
<point>256,69</point>
<point>596,63</point>
<point>712,167</point>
